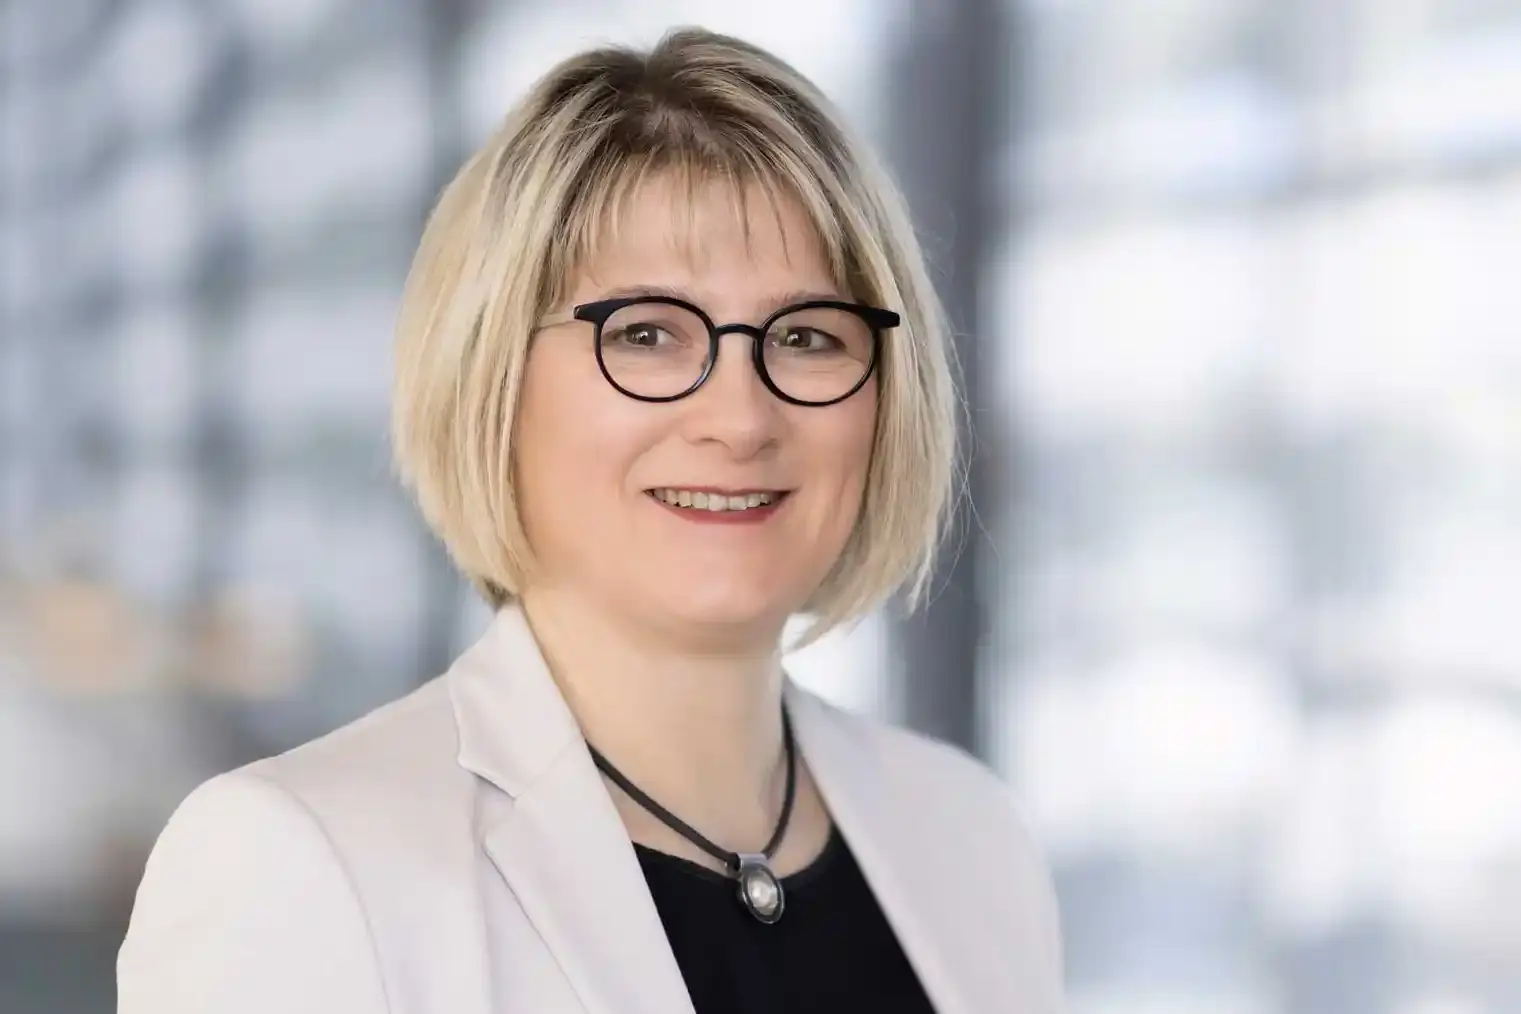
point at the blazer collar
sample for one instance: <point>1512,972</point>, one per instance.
<point>513,721</point>
<point>565,853</point>
<point>559,842</point>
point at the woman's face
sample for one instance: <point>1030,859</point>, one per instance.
<point>596,468</point>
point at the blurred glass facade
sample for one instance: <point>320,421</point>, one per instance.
<point>1258,646</point>
<point>1248,402</point>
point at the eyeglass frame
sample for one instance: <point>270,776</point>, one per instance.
<point>599,311</point>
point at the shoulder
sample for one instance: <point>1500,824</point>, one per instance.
<point>225,838</point>
<point>295,808</point>
<point>400,749</point>
<point>384,785</point>
<point>261,890</point>
<point>921,768</point>
<point>242,891</point>
<point>410,740</point>
<point>952,809</point>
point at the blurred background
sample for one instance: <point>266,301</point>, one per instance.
<point>1238,285</point>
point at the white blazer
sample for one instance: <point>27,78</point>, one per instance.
<point>456,852</point>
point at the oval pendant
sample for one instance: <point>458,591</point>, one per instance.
<point>759,889</point>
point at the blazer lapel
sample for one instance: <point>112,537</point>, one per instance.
<point>555,835</point>
<point>961,970</point>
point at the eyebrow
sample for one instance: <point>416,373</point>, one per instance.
<point>666,292</point>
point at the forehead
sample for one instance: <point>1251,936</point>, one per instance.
<point>717,238</point>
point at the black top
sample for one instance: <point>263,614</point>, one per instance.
<point>832,951</point>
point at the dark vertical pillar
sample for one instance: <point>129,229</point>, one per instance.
<point>949,92</point>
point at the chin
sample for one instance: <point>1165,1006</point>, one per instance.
<point>726,618</point>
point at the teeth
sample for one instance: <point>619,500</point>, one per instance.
<point>712,501</point>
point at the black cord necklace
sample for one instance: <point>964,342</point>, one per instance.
<point>760,891</point>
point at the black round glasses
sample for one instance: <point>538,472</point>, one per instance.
<point>659,348</point>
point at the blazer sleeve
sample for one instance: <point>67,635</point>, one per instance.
<point>245,908</point>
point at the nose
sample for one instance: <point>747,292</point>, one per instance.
<point>733,406</point>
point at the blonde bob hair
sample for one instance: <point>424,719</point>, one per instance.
<point>510,230</point>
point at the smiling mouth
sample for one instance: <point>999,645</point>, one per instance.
<point>717,503</point>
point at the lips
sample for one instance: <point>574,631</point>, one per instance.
<point>717,501</point>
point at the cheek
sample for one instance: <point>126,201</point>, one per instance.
<point>574,446</point>
<point>844,454</point>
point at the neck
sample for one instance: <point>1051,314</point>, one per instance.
<point>692,718</point>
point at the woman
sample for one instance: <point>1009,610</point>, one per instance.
<point>669,371</point>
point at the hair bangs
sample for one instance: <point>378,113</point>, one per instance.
<point>616,177</point>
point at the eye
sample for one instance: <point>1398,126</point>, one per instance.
<point>647,336</point>
<point>805,339</point>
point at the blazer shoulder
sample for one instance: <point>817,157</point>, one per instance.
<point>938,780</point>
<point>245,906</point>
<point>930,783</point>
<point>399,758</point>
<point>382,790</point>
<point>918,761</point>
<point>346,843</point>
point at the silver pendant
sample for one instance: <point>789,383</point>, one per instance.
<point>759,889</point>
